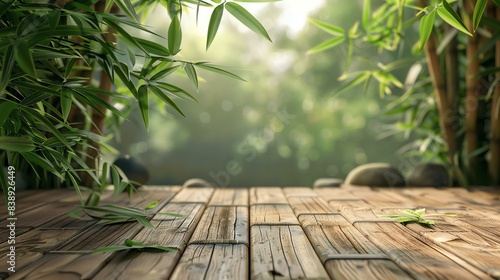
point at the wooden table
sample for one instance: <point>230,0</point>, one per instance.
<point>262,233</point>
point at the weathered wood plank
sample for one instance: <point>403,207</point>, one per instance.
<point>298,191</point>
<point>172,231</point>
<point>419,258</point>
<point>272,214</point>
<point>193,195</point>
<point>39,240</point>
<point>208,261</point>
<point>140,265</point>
<point>329,194</point>
<point>63,266</point>
<point>333,235</point>
<point>229,197</point>
<point>312,204</point>
<point>222,224</point>
<point>267,195</point>
<point>22,261</point>
<point>283,252</point>
<point>365,269</point>
<point>29,199</point>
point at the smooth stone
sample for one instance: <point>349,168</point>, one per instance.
<point>429,175</point>
<point>196,183</point>
<point>135,170</point>
<point>375,175</point>
<point>327,182</point>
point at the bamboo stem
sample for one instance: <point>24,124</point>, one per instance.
<point>98,119</point>
<point>446,114</point>
<point>472,94</point>
<point>494,164</point>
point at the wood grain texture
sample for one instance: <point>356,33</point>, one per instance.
<point>172,231</point>
<point>193,195</point>
<point>222,224</point>
<point>63,267</point>
<point>140,265</point>
<point>272,214</point>
<point>307,205</point>
<point>419,258</point>
<point>365,269</point>
<point>207,261</point>
<point>267,195</point>
<point>230,197</point>
<point>283,252</point>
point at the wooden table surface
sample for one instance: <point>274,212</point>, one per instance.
<point>262,233</point>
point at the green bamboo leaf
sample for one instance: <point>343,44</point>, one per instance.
<point>247,19</point>
<point>128,8</point>
<point>478,12</point>
<point>165,72</point>
<point>165,98</point>
<point>426,26</point>
<point>214,23</point>
<point>191,73</point>
<point>357,80</point>
<point>448,14</point>
<point>8,65</point>
<point>151,205</point>
<point>144,104</point>
<point>66,101</point>
<point>152,47</point>
<point>6,107</point>
<point>115,178</point>
<point>174,36</point>
<point>366,14</point>
<point>24,58</point>
<point>334,30</point>
<point>111,249</point>
<point>175,89</point>
<point>215,69</point>
<point>33,158</point>
<point>144,221</point>
<point>104,175</point>
<point>16,144</point>
<point>327,45</point>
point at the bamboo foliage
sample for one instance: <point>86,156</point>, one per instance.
<point>462,53</point>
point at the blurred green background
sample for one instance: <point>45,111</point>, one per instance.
<point>285,126</point>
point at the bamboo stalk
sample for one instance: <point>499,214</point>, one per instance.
<point>98,119</point>
<point>451,60</point>
<point>446,114</point>
<point>494,164</point>
<point>472,94</point>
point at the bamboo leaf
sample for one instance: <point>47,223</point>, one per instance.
<point>247,19</point>
<point>66,101</point>
<point>327,45</point>
<point>359,79</point>
<point>426,26</point>
<point>164,72</point>
<point>144,221</point>
<point>175,89</point>
<point>151,205</point>
<point>143,104</point>
<point>24,58</point>
<point>366,14</point>
<point>8,65</point>
<point>257,1</point>
<point>16,144</point>
<point>6,107</point>
<point>448,14</point>
<point>165,98</point>
<point>478,12</point>
<point>174,36</point>
<point>334,30</point>
<point>191,73</point>
<point>215,69</point>
<point>214,23</point>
